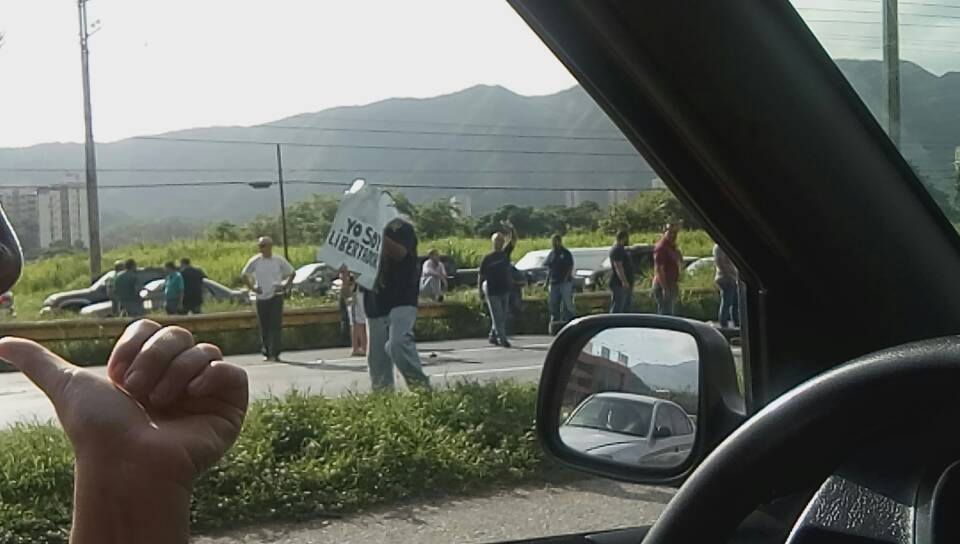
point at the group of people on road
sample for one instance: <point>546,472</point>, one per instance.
<point>382,319</point>
<point>182,288</point>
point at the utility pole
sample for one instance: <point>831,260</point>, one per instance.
<point>93,199</point>
<point>283,204</point>
<point>891,66</point>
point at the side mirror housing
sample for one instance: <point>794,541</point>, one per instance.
<point>610,380</point>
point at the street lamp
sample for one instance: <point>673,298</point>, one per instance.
<point>283,210</point>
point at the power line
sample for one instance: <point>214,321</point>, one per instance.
<point>852,22</point>
<point>392,147</point>
<point>869,12</point>
<point>457,124</point>
<point>335,170</point>
<point>446,133</point>
<point>215,183</point>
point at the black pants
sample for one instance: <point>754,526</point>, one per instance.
<point>270,315</point>
<point>191,306</point>
<point>172,307</point>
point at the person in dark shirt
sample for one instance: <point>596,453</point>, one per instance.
<point>127,288</point>
<point>495,281</point>
<point>666,270</point>
<point>621,282</point>
<point>391,310</point>
<point>559,264</point>
<point>192,287</point>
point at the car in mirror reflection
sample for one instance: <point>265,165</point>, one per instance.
<point>630,428</point>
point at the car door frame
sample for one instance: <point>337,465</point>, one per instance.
<point>746,118</point>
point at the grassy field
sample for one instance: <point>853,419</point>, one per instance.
<point>301,457</point>
<point>222,262</point>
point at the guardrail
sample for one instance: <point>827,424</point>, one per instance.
<point>109,328</point>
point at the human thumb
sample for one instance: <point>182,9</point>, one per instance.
<point>36,362</point>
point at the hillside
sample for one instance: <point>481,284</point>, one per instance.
<point>677,378</point>
<point>469,119</point>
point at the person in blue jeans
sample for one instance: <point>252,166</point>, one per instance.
<point>727,279</point>
<point>172,289</point>
<point>621,281</point>
<point>559,265</point>
<point>495,282</point>
<point>391,310</point>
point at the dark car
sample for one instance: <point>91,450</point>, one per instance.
<point>641,255</point>
<point>74,301</point>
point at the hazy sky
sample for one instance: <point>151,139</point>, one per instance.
<point>159,66</point>
<point>653,346</point>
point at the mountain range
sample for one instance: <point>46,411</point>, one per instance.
<point>679,378</point>
<point>480,137</point>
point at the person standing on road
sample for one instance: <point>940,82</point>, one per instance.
<point>496,273</point>
<point>559,265</point>
<point>352,298</point>
<point>391,311</point>
<point>172,289</point>
<point>727,279</point>
<point>433,277</point>
<point>269,276</point>
<point>111,283</point>
<point>127,288</point>
<point>666,267</point>
<point>192,287</point>
<point>621,282</point>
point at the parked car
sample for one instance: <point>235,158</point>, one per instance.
<point>313,279</point>
<point>703,263</point>
<point>532,264</point>
<point>152,295</point>
<point>74,301</point>
<point>628,428</point>
<point>641,255</point>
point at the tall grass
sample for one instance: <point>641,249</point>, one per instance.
<point>223,261</point>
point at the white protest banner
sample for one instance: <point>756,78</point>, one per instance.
<point>356,235</point>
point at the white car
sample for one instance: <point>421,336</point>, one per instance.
<point>586,260</point>
<point>703,263</point>
<point>152,295</point>
<point>632,429</point>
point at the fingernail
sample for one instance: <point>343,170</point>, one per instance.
<point>136,380</point>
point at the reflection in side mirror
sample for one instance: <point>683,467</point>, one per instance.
<point>632,397</point>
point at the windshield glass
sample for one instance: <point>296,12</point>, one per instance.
<point>213,126</point>
<point>903,59</point>
<point>613,414</point>
<point>531,260</point>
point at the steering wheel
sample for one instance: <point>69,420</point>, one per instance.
<point>803,436</point>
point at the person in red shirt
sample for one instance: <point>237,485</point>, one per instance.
<point>666,267</point>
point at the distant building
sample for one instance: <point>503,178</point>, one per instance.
<point>44,216</point>
<point>463,203</point>
<point>596,370</point>
<point>619,196</point>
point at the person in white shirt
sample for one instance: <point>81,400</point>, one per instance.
<point>433,277</point>
<point>269,276</point>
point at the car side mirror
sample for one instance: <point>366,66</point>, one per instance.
<point>617,389</point>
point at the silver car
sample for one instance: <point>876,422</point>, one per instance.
<point>634,429</point>
<point>152,295</point>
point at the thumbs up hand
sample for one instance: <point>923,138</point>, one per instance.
<point>168,409</point>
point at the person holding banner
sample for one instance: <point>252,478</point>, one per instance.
<point>391,309</point>
<point>269,276</point>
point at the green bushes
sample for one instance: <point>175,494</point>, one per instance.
<point>301,457</point>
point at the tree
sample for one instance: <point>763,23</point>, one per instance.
<point>649,210</point>
<point>308,221</point>
<point>224,231</point>
<point>439,219</point>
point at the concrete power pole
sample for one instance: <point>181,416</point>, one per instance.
<point>93,199</point>
<point>891,66</point>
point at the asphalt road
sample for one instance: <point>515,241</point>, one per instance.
<point>329,372</point>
